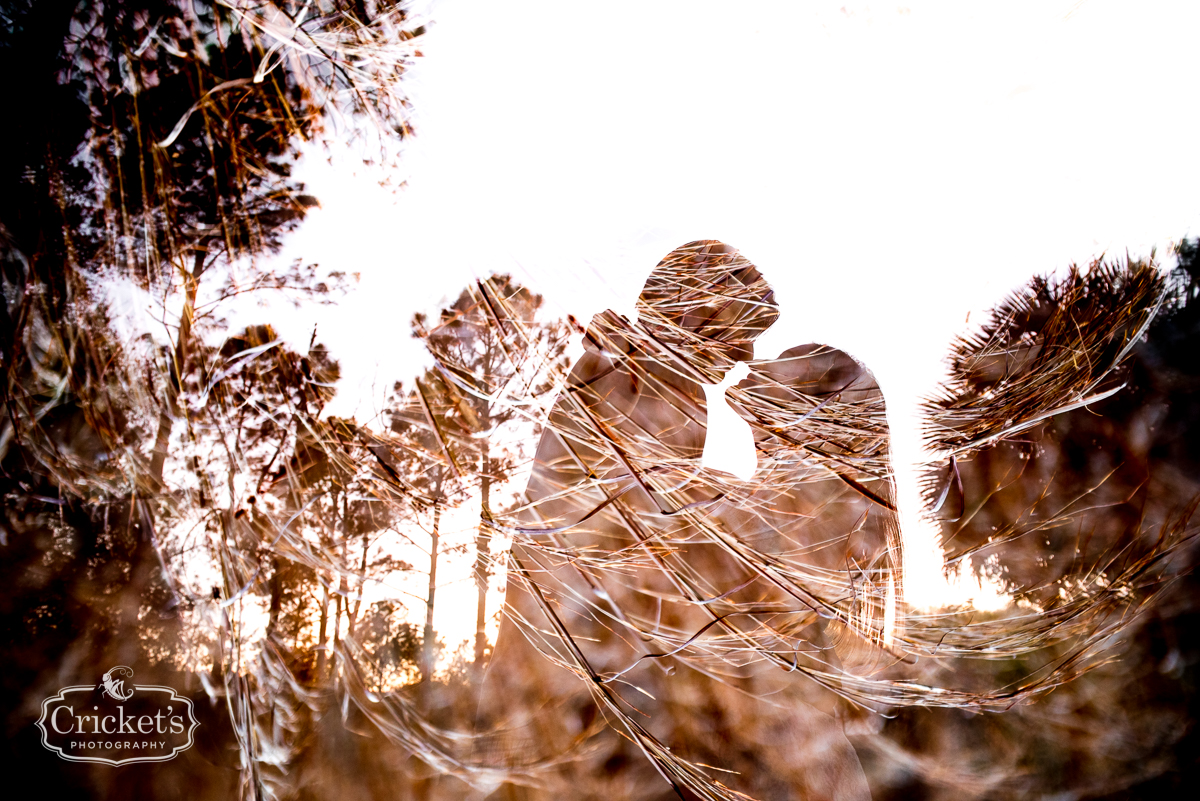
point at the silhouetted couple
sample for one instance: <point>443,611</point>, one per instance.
<point>630,559</point>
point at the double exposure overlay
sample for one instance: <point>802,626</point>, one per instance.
<point>180,502</point>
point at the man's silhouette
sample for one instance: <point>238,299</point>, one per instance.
<point>611,466</point>
<point>633,411</point>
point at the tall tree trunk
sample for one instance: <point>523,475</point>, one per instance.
<point>427,642</point>
<point>321,634</point>
<point>343,593</point>
<point>337,626</point>
<point>362,582</point>
<point>183,341</point>
<point>482,548</point>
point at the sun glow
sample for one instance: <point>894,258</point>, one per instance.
<point>892,171</point>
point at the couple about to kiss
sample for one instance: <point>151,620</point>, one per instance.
<point>631,559</point>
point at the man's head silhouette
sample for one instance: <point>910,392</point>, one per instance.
<point>708,302</point>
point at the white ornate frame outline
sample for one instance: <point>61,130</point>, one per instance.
<point>191,712</point>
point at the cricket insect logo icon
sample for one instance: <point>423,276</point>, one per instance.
<point>114,687</point>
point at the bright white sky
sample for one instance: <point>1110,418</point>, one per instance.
<point>889,167</point>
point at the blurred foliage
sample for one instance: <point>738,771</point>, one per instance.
<point>176,498</point>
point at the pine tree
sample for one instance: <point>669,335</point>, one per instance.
<point>498,361</point>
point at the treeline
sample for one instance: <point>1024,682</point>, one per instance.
<point>176,500</point>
